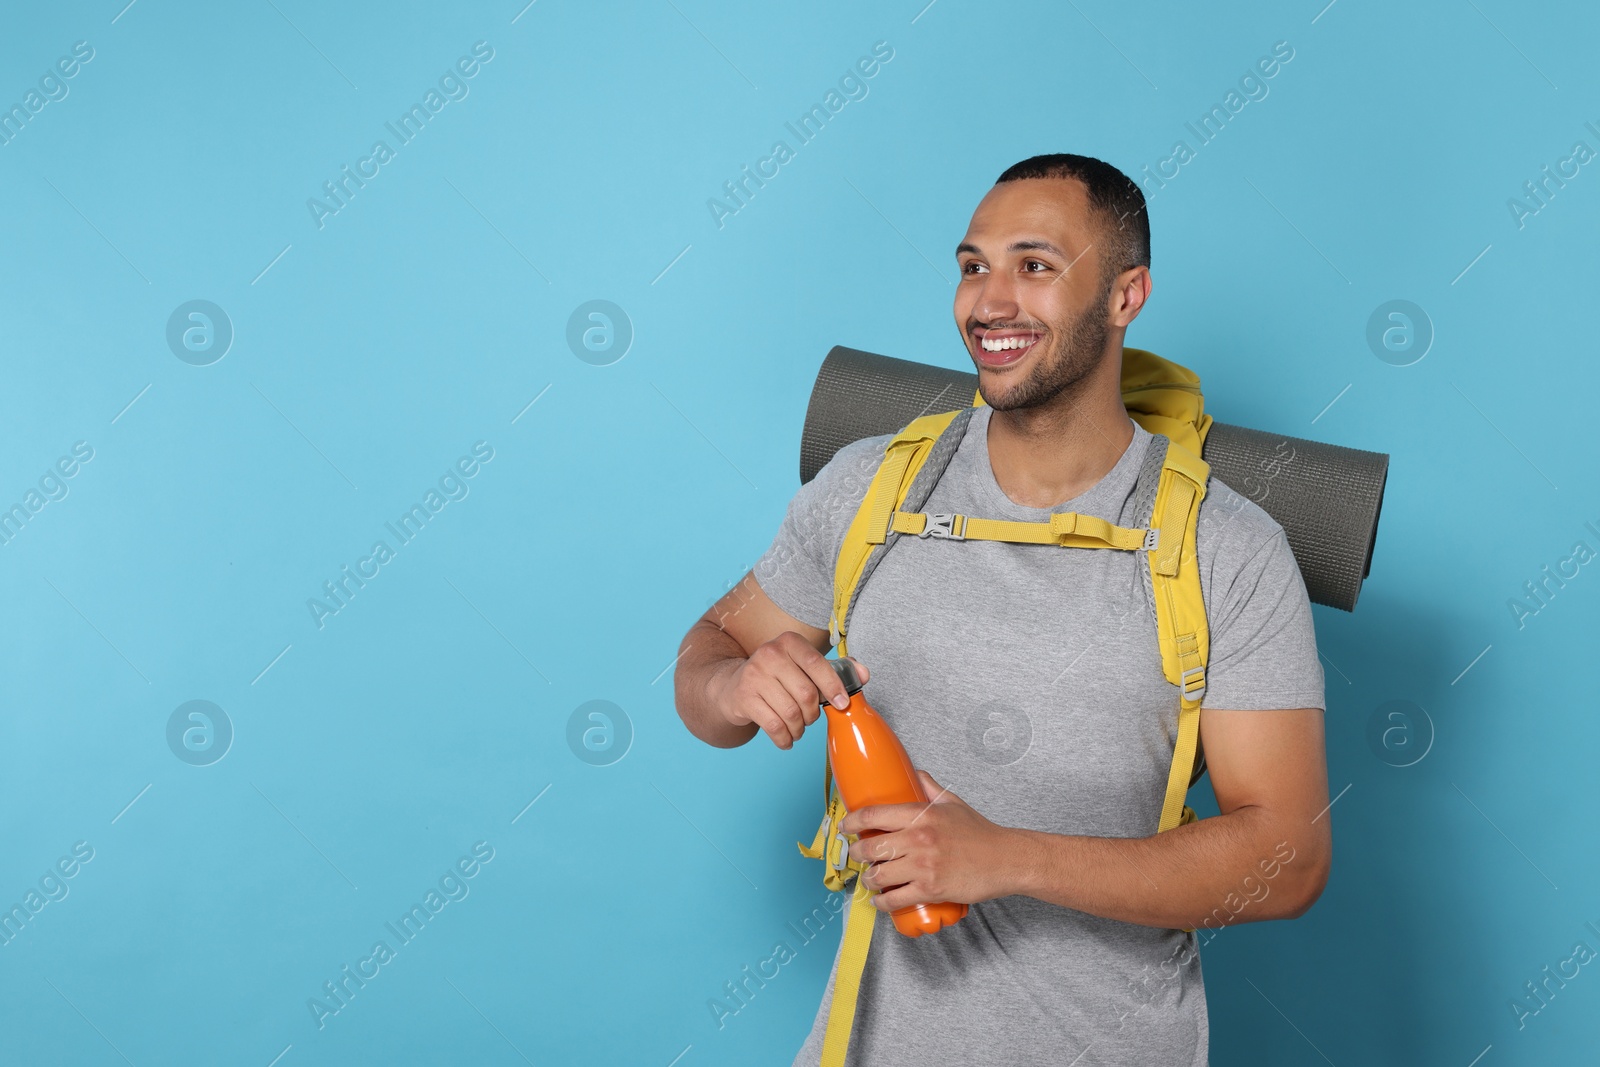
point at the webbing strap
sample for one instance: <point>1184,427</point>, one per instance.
<point>830,846</point>
<point>885,492</point>
<point>1180,496</point>
<point>1066,528</point>
<point>1180,614</point>
<point>1172,809</point>
<point>847,979</point>
<point>865,538</point>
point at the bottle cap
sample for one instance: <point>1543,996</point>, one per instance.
<point>846,670</point>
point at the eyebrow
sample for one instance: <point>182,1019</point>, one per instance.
<point>1032,244</point>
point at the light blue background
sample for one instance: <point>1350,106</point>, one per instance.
<point>426,315</point>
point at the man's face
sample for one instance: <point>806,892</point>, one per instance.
<point>1030,305</point>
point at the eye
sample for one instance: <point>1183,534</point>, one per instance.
<point>966,268</point>
<point>1035,262</point>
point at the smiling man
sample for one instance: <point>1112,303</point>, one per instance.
<point>1026,682</point>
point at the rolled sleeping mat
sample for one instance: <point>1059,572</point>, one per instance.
<point>1326,497</point>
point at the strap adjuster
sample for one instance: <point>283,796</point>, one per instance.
<point>945,525</point>
<point>1183,683</point>
<point>1152,539</point>
<point>844,852</point>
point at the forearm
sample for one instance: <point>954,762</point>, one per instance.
<point>1245,866</point>
<point>708,653</point>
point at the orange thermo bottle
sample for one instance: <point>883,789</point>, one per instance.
<point>871,767</point>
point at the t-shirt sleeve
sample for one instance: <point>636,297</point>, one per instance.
<point>1263,642</point>
<point>796,572</point>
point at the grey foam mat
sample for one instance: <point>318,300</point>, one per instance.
<point>1326,497</point>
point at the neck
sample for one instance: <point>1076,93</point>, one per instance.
<point>1046,455</point>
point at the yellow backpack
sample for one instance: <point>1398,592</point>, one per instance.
<point>1165,399</point>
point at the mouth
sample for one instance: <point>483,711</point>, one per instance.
<point>1002,348</point>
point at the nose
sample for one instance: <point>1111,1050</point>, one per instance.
<point>996,299</point>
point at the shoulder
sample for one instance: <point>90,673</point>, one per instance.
<point>1263,641</point>
<point>1231,528</point>
<point>796,570</point>
<point>848,474</point>
<point>824,506</point>
<point>1247,567</point>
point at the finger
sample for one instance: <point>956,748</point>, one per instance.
<point>797,683</point>
<point>937,793</point>
<point>882,877</point>
<point>773,726</point>
<point>901,897</point>
<point>818,673</point>
<point>879,848</point>
<point>772,723</point>
<point>885,817</point>
<point>782,703</point>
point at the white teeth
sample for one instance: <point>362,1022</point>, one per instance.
<point>1004,343</point>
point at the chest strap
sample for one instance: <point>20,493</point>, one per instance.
<point>1066,528</point>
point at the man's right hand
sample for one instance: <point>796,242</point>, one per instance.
<point>779,688</point>
<point>747,666</point>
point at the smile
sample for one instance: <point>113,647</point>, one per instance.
<point>998,348</point>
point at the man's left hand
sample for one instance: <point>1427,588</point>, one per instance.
<point>939,851</point>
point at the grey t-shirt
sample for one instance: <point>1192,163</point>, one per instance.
<point>1027,679</point>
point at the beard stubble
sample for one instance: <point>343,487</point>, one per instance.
<point>1075,353</point>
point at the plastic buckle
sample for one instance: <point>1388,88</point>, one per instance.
<point>1183,683</point>
<point>1152,539</point>
<point>943,525</point>
<point>844,851</point>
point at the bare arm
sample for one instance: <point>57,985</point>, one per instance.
<point>1266,856</point>
<point>747,666</point>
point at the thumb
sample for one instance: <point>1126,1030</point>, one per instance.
<point>937,793</point>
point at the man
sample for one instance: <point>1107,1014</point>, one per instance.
<point>1025,682</point>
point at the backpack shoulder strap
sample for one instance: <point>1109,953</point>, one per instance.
<point>1180,612</point>
<point>903,459</point>
<point>897,481</point>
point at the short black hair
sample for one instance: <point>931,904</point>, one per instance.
<point>1114,198</point>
